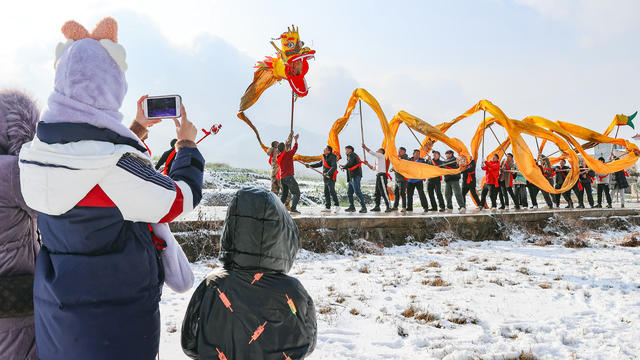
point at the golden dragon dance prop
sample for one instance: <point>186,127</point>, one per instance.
<point>290,63</point>
<point>562,134</point>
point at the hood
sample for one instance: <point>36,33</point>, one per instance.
<point>90,82</point>
<point>19,115</point>
<point>258,233</point>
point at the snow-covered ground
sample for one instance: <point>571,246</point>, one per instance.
<point>465,300</point>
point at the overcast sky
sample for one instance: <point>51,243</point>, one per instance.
<point>567,60</point>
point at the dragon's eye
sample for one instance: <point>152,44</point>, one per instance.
<point>291,45</point>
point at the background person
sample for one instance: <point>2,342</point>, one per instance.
<point>162,162</point>
<point>434,185</point>
<point>602,184</point>
<point>400,190</point>
<point>354,176</point>
<point>380,166</point>
<point>286,172</point>
<point>505,182</point>
<point>329,165</point>
<point>19,244</point>
<point>469,183</point>
<point>416,184</point>
<point>452,182</point>
<point>492,172</point>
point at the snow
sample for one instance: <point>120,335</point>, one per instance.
<point>516,297</point>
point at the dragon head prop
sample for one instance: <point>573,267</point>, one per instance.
<point>292,61</point>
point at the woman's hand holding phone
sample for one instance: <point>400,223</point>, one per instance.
<point>185,130</point>
<point>140,118</point>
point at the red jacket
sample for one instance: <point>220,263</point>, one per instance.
<point>492,169</point>
<point>285,162</point>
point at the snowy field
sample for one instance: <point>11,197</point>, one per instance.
<point>465,300</point>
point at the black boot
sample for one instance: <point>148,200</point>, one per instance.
<point>363,210</point>
<point>350,209</point>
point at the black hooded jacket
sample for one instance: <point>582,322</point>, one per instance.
<point>329,160</point>
<point>353,162</point>
<point>251,309</point>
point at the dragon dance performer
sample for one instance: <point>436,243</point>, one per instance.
<point>561,171</point>
<point>602,183</point>
<point>434,184</point>
<point>416,184</point>
<point>354,176</point>
<point>452,182</point>
<point>492,172</point>
<point>520,183</point>
<point>469,183</point>
<point>380,166</point>
<point>506,182</point>
<point>400,190</point>
<point>587,176</point>
<point>329,165</point>
<point>620,183</point>
<point>545,168</point>
<point>286,174</point>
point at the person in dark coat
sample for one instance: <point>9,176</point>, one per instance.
<point>469,183</point>
<point>452,182</point>
<point>354,176</point>
<point>587,176</point>
<point>416,184</point>
<point>250,309</point>
<point>329,165</point>
<point>434,185</point>
<point>18,234</point>
<point>505,182</point>
<point>602,183</point>
<point>561,171</point>
<point>620,183</point>
<point>545,168</point>
<point>400,190</point>
<point>162,162</point>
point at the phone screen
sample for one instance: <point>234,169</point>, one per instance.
<point>162,107</point>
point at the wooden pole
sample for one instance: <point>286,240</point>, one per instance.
<point>293,100</point>
<point>613,146</point>
<point>484,128</point>
<point>364,153</point>
<point>414,135</point>
<point>499,142</point>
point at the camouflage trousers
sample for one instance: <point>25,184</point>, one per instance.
<point>276,187</point>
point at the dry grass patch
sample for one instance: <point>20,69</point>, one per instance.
<point>435,282</point>
<point>364,269</point>
<point>433,264</point>
<point>354,312</point>
<point>575,243</point>
<point>340,299</point>
<point>524,356</point>
<point>545,285</point>
<point>632,240</point>
<point>524,271</point>
<point>426,317</point>
<point>419,269</point>
<point>409,312</point>
<point>463,320</point>
<point>491,268</point>
<point>460,268</point>
<point>325,310</point>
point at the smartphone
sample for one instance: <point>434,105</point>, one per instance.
<point>160,107</point>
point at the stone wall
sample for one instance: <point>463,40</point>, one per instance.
<point>200,239</point>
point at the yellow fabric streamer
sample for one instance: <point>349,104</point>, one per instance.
<point>560,133</point>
